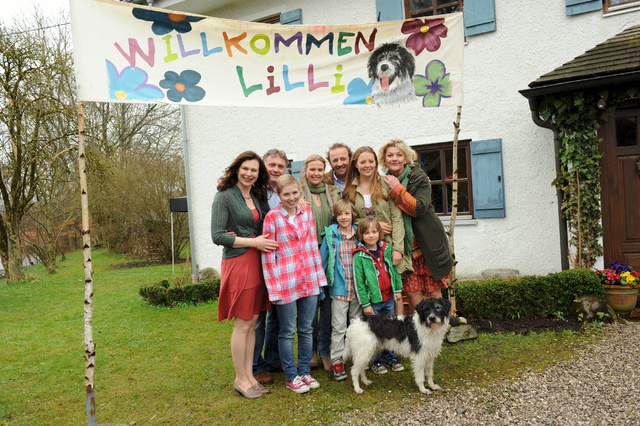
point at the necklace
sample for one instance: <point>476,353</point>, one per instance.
<point>247,197</point>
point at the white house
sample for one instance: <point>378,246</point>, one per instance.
<point>508,221</point>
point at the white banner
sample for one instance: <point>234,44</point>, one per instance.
<point>131,53</point>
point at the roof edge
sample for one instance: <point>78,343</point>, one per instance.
<point>586,83</point>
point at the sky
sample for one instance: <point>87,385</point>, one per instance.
<point>13,9</point>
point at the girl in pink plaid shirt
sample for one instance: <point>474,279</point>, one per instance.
<point>294,275</point>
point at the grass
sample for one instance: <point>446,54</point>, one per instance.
<point>172,366</point>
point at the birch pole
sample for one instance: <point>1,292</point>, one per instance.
<point>454,211</point>
<point>89,346</point>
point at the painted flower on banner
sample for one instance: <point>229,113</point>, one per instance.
<point>183,86</point>
<point>434,85</point>
<point>359,92</point>
<point>424,34</point>
<point>164,23</point>
<point>131,84</point>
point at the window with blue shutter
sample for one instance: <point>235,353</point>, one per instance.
<point>389,10</point>
<point>295,167</point>
<point>487,178</point>
<point>576,7</point>
<point>479,17</point>
<point>293,17</point>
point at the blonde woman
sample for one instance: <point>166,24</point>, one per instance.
<point>321,197</point>
<point>426,243</point>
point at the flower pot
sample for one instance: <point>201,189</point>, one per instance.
<point>621,298</point>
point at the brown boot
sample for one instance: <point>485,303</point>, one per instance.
<point>326,363</point>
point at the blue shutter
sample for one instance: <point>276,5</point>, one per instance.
<point>576,7</point>
<point>389,10</point>
<point>487,179</point>
<point>479,17</point>
<point>293,17</point>
<point>295,168</point>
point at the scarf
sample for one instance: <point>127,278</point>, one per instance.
<point>321,215</point>
<point>408,227</point>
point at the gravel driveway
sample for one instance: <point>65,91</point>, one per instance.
<point>600,387</point>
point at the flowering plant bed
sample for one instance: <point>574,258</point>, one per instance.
<point>619,273</point>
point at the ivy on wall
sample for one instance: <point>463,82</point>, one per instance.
<point>577,117</point>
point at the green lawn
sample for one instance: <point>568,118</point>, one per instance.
<point>173,366</point>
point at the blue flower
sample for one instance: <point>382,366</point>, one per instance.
<point>164,23</point>
<point>359,92</point>
<point>183,86</point>
<point>434,85</point>
<point>131,84</point>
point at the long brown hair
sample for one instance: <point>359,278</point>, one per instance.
<point>377,193</point>
<point>230,176</point>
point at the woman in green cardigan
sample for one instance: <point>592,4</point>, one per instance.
<point>237,214</point>
<point>426,243</point>
<point>321,197</point>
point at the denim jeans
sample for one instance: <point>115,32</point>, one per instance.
<point>322,326</point>
<point>299,313</point>
<point>271,359</point>
<point>384,308</point>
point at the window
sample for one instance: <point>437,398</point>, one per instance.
<point>275,19</point>
<point>615,5</point>
<point>437,162</point>
<point>418,8</point>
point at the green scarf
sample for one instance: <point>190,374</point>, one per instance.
<point>408,227</point>
<point>321,217</point>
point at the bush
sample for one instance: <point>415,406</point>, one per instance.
<point>525,297</point>
<point>162,294</point>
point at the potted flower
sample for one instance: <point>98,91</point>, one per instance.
<point>621,284</point>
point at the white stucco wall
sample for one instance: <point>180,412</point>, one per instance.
<point>532,38</point>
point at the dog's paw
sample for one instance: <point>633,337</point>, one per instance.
<point>366,382</point>
<point>435,387</point>
<point>359,391</point>
<point>425,391</point>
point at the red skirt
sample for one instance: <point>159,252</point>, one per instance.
<point>421,279</point>
<point>243,292</point>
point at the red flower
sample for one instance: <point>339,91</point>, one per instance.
<point>424,34</point>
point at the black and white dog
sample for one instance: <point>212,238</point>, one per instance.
<point>392,67</point>
<point>417,337</point>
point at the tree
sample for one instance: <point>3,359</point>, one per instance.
<point>35,83</point>
<point>137,148</point>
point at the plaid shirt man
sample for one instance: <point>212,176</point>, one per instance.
<point>294,270</point>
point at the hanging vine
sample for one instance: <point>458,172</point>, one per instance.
<point>577,117</point>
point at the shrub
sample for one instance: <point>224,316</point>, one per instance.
<point>525,297</point>
<point>162,294</point>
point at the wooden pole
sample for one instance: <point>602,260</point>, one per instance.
<point>454,211</point>
<point>89,346</point>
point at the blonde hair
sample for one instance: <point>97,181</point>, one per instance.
<point>343,205</point>
<point>366,224</point>
<point>352,173</point>
<point>309,159</point>
<point>409,154</point>
<point>286,180</point>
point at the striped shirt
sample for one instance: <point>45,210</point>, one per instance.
<point>294,270</point>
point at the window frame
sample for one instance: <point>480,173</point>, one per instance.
<point>607,7</point>
<point>434,9</point>
<point>441,147</point>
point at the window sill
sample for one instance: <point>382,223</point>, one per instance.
<point>621,11</point>
<point>460,221</point>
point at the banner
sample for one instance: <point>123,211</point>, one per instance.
<point>131,53</point>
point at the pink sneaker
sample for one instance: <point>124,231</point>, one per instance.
<point>310,381</point>
<point>297,385</point>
